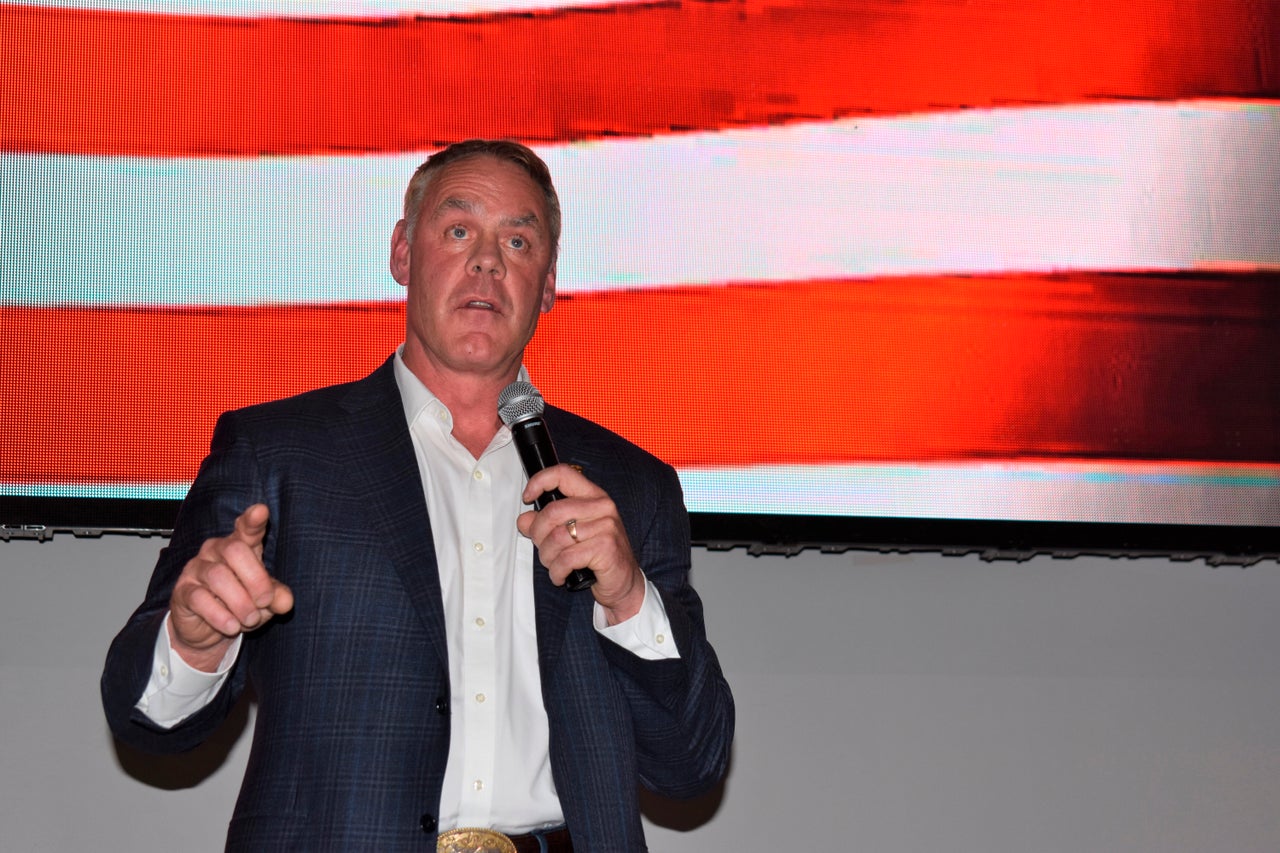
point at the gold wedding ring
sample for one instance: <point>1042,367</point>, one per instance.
<point>572,526</point>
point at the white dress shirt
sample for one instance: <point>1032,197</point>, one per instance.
<point>498,772</point>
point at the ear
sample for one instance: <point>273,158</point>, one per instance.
<point>549,289</point>
<point>400,254</point>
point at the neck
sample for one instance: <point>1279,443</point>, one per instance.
<point>472,399</point>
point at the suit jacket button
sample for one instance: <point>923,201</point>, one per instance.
<point>442,706</point>
<point>428,823</point>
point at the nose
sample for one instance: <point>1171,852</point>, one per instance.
<point>486,259</point>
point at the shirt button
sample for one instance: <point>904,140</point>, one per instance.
<point>480,698</point>
<point>164,671</point>
<point>479,546</point>
<point>662,638</point>
<point>478,474</point>
<point>478,784</point>
<point>479,621</point>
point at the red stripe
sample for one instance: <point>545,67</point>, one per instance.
<point>148,84</point>
<point>896,369</point>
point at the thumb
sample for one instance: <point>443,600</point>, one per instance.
<point>524,522</point>
<point>281,598</point>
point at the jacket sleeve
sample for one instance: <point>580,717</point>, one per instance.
<point>682,709</point>
<point>226,484</point>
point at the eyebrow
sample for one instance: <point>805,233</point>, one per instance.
<point>529,219</point>
<point>455,203</point>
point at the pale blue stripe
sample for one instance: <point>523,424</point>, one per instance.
<point>97,231</point>
<point>1113,187</point>
<point>1066,491</point>
<point>133,491</point>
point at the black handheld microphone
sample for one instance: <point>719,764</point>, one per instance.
<point>520,406</point>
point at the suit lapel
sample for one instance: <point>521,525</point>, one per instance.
<point>373,442</point>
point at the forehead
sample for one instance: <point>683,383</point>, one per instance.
<point>485,184</point>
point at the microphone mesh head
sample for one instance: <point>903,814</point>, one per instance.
<point>519,401</point>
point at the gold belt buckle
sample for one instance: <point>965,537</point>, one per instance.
<point>472,840</point>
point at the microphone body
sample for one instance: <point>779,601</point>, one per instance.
<point>520,406</point>
<point>536,452</point>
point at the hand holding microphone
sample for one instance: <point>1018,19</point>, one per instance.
<point>577,529</point>
<point>520,405</point>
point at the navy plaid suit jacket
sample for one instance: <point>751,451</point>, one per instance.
<point>352,729</point>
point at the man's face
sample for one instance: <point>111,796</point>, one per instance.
<point>478,271</point>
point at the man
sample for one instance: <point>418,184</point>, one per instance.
<point>365,555</point>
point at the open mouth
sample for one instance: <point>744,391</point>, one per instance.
<point>481,305</point>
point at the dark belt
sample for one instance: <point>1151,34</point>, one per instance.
<point>557,841</point>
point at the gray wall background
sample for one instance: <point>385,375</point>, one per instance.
<point>886,703</point>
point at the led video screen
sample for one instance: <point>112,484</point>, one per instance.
<point>910,272</point>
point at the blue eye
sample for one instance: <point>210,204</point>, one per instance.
<point>457,232</point>
<point>518,242</point>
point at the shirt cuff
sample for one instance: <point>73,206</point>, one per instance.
<point>647,634</point>
<point>176,690</point>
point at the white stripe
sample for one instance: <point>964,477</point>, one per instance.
<point>321,10</point>
<point>1124,186</point>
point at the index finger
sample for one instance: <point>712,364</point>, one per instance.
<point>251,525</point>
<point>571,483</point>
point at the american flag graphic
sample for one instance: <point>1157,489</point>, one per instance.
<point>931,258</point>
